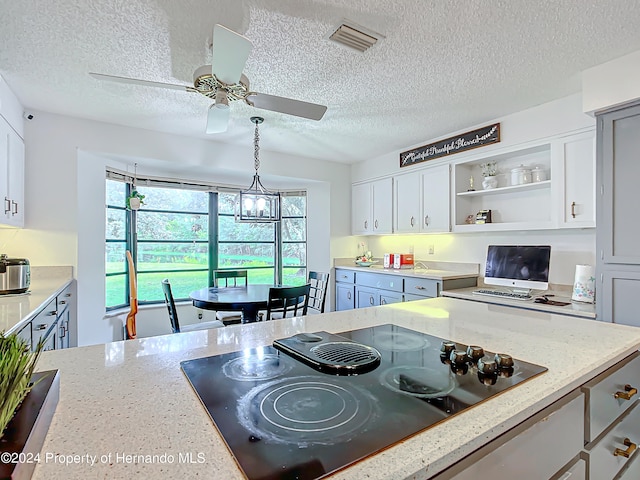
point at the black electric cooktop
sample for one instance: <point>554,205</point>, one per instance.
<point>316,402</point>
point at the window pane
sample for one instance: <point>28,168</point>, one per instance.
<point>229,229</point>
<point>116,193</point>
<point>236,255</point>
<point>172,226</point>
<point>182,283</point>
<point>294,206</point>
<point>294,254</point>
<point>174,199</point>
<point>115,259</point>
<point>172,256</point>
<point>261,275</point>
<point>294,229</point>
<point>294,276</point>
<point>116,293</point>
<point>116,224</point>
<point>227,203</point>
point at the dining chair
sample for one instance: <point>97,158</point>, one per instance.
<point>288,301</point>
<point>130,322</point>
<point>319,282</point>
<point>229,278</point>
<point>173,314</point>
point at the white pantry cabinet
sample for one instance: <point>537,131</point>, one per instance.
<point>12,176</point>
<point>371,207</point>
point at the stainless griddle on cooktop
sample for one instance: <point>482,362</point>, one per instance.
<point>319,402</point>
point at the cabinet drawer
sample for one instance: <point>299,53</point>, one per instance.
<point>380,280</point>
<point>555,437</point>
<point>390,297</point>
<point>345,276</point>
<point>421,286</point>
<point>602,405</point>
<point>603,462</point>
<point>64,299</point>
<point>632,470</point>
<point>366,297</point>
<point>42,323</point>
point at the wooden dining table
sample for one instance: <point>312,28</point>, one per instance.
<point>249,299</point>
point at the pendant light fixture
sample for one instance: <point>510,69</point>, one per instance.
<point>257,204</point>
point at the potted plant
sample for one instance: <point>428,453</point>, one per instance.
<point>135,200</point>
<point>17,363</point>
<point>489,172</point>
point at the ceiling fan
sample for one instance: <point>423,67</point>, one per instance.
<point>224,82</point>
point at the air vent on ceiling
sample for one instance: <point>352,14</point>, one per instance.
<point>354,36</point>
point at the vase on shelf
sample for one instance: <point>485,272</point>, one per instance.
<point>490,182</point>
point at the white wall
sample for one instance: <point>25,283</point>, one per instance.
<point>569,247</point>
<point>611,84</point>
<point>64,207</point>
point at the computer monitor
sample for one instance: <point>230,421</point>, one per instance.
<point>521,267</point>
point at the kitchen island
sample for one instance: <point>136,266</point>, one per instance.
<point>126,409</point>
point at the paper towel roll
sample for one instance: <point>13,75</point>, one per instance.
<point>584,285</point>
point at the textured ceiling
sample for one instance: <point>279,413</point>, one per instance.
<point>442,66</point>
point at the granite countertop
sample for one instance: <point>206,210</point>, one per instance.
<point>46,283</point>
<point>577,309</point>
<point>131,398</point>
<point>430,270</point>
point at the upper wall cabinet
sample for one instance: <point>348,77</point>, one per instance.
<point>541,185</point>
<point>11,176</point>
<point>371,207</point>
<point>574,169</point>
<point>421,201</point>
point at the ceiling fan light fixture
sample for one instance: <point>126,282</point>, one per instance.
<point>222,101</point>
<point>257,204</point>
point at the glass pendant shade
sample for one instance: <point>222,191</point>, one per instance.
<point>257,204</point>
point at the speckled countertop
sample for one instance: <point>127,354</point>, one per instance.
<point>46,283</point>
<point>131,398</point>
<point>431,270</point>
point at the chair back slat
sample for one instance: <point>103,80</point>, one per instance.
<point>229,278</point>
<point>171,306</point>
<point>319,282</point>
<point>294,300</point>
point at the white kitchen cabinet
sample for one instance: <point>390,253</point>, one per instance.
<point>575,174</point>
<point>371,207</point>
<point>407,196</point>
<point>436,200</point>
<point>12,169</point>
<point>422,201</point>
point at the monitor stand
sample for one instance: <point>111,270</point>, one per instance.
<point>521,291</point>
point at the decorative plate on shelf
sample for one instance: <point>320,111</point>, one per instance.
<point>362,263</point>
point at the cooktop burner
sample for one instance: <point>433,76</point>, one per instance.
<point>318,402</point>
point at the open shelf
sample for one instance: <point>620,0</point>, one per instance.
<point>512,188</point>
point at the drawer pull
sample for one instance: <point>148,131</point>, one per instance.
<point>42,326</point>
<point>629,392</point>
<point>419,287</point>
<point>631,447</point>
<point>52,313</point>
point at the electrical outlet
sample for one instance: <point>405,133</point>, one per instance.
<point>431,249</point>
<point>199,315</point>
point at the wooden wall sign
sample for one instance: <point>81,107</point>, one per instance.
<point>459,143</point>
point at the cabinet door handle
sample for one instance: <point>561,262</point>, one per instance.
<point>67,294</point>
<point>41,326</point>
<point>366,224</point>
<point>62,302</point>
<point>53,313</point>
<point>349,295</point>
<point>383,301</point>
<point>573,209</point>
<point>370,300</point>
<point>375,224</point>
<point>14,210</point>
<point>631,447</point>
<point>7,205</point>
<point>629,392</point>
<point>426,220</point>
<point>412,221</point>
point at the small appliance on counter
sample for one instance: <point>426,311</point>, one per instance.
<point>15,275</point>
<point>403,260</point>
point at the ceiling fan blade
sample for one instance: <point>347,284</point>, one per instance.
<point>135,81</point>
<point>217,119</point>
<point>289,106</point>
<point>230,53</point>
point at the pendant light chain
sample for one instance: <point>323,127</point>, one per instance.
<point>256,149</point>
